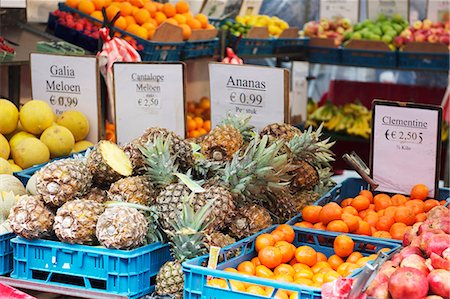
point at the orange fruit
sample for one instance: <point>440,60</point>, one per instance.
<point>363,228</point>
<point>405,215</point>
<point>194,24</point>
<point>398,200</point>
<point>160,17</point>
<point>263,272</point>
<point>306,255</point>
<point>351,221</point>
<point>207,123</point>
<point>99,4</point>
<point>218,283</point>
<point>367,194</point>
<point>278,235</point>
<point>237,286</point>
<point>121,23</point>
<point>331,276</point>
<point>264,240</point>
<point>318,278</point>
<point>335,261</point>
<point>169,10</point>
<point>287,250</point>
<point>382,234</point>
<point>397,230</point>
<point>137,3</point>
<point>343,245</point>
<point>349,269</point>
<point>97,15</point>
<point>321,257</point>
<point>305,224</point>
<point>284,278</point>
<point>126,9</point>
<point>372,207</point>
<point>363,261</point>
<point>171,21</point>
<point>299,266</point>
<point>319,226</point>
<point>180,19</point>
<point>429,204</point>
<point>320,266</point>
<point>421,217</point>
<point>270,256</point>
<point>346,202</point>
<point>202,19</point>
<point>416,205</point>
<point>182,7</point>
<point>284,269</point>
<point>372,219</point>
<point>331,211</point>
<point>151,8</point>
<point>142,16</point>
<point>280,294</point>
<point>288,232</point>
<point>199,121</point>
<point>138,31</point>
<point>311,213</point>
<point>384,223</point>
<point>354,257</point>
<point>419,191</point>
<point>257,290</point>
<point>255,261</point>
<point>131,21</point>
<point>72,3</point>
<point>337,226</point>
<point>111,11</point>
<point>381,202</point>
<point>232,270</point>
<point>360,203</point>
<point>350,210</point>
<point>246,267</point>
<point>390,211</point>
<point>202,131</point>
<point>86,6</point>
<point>304,273</point>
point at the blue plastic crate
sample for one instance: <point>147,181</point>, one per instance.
<point>369,58</point>
<point>325,55</point>
<point>130,273</point>
<point>68,34</point>
<point>428,61</point>
<point>200,48</point>
<point>51,22</point>
<point>6,253</point>
<point>253,46</point>
<point>87,42</point>
<point>195,279</point>
<point>291,45</point>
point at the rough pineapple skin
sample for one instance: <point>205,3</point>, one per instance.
<point>76,220</point>
<point>280,131</point>
<point>249,220</point>
<point>179,148</point>
<point>96,194</point>
<point>306,176</point>
<point>170,280</point>
<point>222,240</point>
<point>304,198</point>
<point>131,149</point>
<point>282,205</point>
<point>221,143</point>
<point>137,189</point>
<point>121,228</point>
<point>170,202</point>
<point>30,218</point>
<point>63,180</point>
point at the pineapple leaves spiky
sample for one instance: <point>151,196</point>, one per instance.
<point>240,122</point>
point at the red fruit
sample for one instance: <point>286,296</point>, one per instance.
<point>379,279</point>
<point>437,244</point>
<point>78,27</point>
<point>438,262</point>
<point>446,253</point>
<point>388,268</point>
<point>415,261</point>
<point>411,234</point>
<point>439,281</point>
<point>380,292</point>
<point>410,250</point>
<point>433,297</point>
<point>408,283</point>
<point>426,235</point>
<point>397,258</point>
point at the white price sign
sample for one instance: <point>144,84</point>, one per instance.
<point>387,8</point>
<point>331,9</point>
<point>438,10</point>
<point>68,83</point>
<point>261,92</point>
<point>406,144</point>
<point>299,98</point>
<point>148,95</point>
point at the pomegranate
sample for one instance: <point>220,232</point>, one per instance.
<point>407,251</point>
<point>446,254</point>
<point>437,244</point>
<point>438,262</point>
<point>408,283</point>
<point>433,297</point>
<point>379,279</point>
<point>412,234</point>
<point>388,268</point>
<point>439,281</point>
<point>426,235</point>
<point>415,261</point>
<point>381,291</point>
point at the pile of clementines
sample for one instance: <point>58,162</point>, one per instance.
<point>380,216</point>
<point>142,17</point>
<point>198,119</point>
<point>278,259</point>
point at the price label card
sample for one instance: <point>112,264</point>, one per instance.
<point>148,95</point>
<point>331,9</point>
<point>387,8</point>
<point>299,98</point>
<point>406,141</point>
<point>262,92</point>
<point>68,83</point>
<point>438,10</point>
<point>250,7</point>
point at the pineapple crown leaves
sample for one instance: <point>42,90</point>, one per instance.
<point>241,123</point>
<point>187,236</point>
<point>205,168</point>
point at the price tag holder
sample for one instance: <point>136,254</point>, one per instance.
<point>261,92</point>
<point>438,10</point>
<point>405,146</point>
<point>250,7</point>
<point>68,83</point>
<point>387,8</point>
<point>148,94</point>
<point>331,9</point>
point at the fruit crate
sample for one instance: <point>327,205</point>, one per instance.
<point>350,188</point>
<point>324,55</point>
<point>426,61</point>
<point>124,272</point>
<point>195,286</point>
<point>70,35</point>
<point>6,253</point>
<point>291,45</point>
<point>253,46</point>
<point>369,58</point>
<point>51,22</point>
<point>87,42</point>
<point>200,48</point>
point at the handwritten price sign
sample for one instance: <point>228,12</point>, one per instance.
<point>405,146</point>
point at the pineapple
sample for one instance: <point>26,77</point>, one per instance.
<point>280,131</point>
<point>108,163</point>
<point>169,203</point>
<point>121,227</point>
<point>136,189</point>
<point>63,180</point>
<point>226,139</point>
<point>96,194</point>
<point>249,220</point>
<point>131,149</point>
<point>306,176</point>
<point>76,220</point>
<point>187,241</point>
<point>29,218</point>
<point>305,198</point>
<point>221,240</point>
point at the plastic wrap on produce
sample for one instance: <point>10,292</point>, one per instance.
<point>295,12</point>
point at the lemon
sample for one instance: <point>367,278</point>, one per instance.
<point>76,122</point>
<point>16,168</point>
<point>9,116</point>
<point>59,140</point>
<point>11,161</point>
<point>18,137</point>
<point>81,146</point>
<point>5,167</point>
<point>36,116</point>
<point>4,147</point>
<point>29,152</point>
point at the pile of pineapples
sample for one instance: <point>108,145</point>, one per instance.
<point>200,193</point>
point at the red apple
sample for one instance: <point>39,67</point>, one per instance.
<point>438,262</point>
<point>415,261</point>
<point>444,39</point>
<point>417,25</point>
<point>439,281</point>
<point>408,283</point>
<point>432,38</point>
